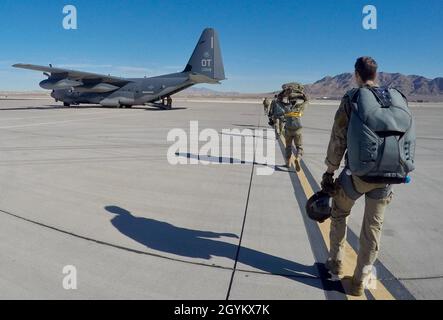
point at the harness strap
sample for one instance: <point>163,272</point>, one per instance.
<point>347,184</point>
<point>294,114</point>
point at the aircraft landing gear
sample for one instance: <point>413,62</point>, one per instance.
<point>65,104</point>
<point>167,103</point>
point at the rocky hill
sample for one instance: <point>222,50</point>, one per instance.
<point>415,87</point>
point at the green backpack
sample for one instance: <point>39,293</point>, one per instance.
<point>381,135</point>
<point>295,87</point>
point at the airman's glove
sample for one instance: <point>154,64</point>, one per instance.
<point>327,183</point>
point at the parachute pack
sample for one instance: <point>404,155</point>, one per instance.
<point>381,135</point>
<point>295,87</point>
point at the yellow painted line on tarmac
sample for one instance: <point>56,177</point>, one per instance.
<point>349,263</point>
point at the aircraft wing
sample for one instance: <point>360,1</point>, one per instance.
<point>74,75</point>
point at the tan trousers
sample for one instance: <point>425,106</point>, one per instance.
<point>278,126</point>
<point>293,135</point>
<point>371,227</point>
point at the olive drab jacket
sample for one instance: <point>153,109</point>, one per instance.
<point>338,141</point>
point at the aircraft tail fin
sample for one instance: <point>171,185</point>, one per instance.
<point>206,62</point>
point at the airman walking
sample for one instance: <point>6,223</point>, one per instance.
<point>297,102</point>
<point>375,128</point>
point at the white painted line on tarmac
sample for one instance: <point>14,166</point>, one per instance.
<point>55,115</point>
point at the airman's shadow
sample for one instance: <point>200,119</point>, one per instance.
<point>165,237</point>
<point>226,160</point>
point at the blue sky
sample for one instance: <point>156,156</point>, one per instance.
<point>264,43</point>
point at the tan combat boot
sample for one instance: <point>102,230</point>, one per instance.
<point>354,288</point>
<point>288,162</point>
<point>297,160</point>
<point>335,267</point>
<point>357,287</point>
<point>297,164</point>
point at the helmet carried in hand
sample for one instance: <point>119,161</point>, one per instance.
<point>318,207</point>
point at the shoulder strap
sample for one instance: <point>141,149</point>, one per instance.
<point>402,94</point>
<point>353,94</point>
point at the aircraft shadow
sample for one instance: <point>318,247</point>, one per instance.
<point>153,108</point>
<point>46,107</point>
<point>165,237</point>
<point>51,107</point>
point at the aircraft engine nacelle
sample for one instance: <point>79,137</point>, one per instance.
<point>97,88</point>
<point>51,84</point>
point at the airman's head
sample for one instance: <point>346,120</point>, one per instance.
<point>365,70</point>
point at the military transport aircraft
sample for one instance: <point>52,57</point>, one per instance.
<point>75,87</point>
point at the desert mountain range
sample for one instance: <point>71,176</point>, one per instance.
<point>416,88</point>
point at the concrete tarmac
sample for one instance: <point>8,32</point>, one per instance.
<point>91,187</point>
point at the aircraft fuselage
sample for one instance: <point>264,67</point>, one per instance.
<point>136,92</point>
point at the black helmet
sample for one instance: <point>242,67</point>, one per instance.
<point>318,207</point>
